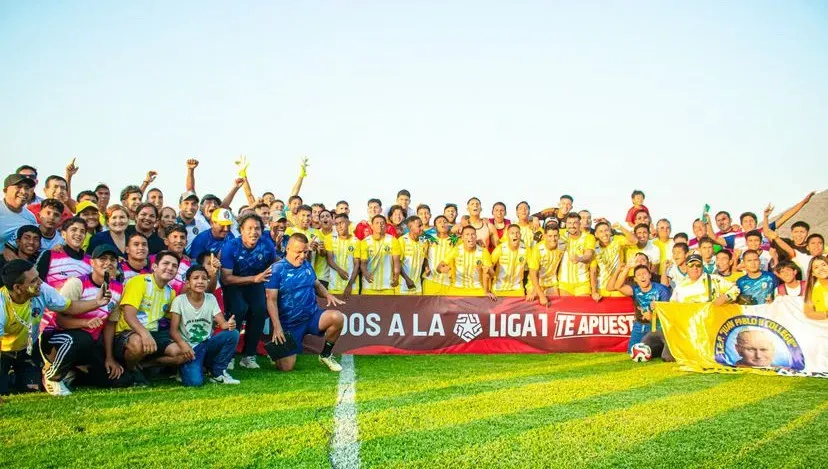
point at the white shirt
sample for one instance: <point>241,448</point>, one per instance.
<point>196,324</point>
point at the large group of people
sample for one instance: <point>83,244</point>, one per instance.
<point>101,292</point>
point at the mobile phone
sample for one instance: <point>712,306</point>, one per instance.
<point>106,280</point>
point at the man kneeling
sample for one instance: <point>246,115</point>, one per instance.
<point>191,323</point>
<point>292,307</point>
<point>146,300</point>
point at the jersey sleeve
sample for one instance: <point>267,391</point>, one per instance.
<point>133,292</point>
<point>396,250</point>
<point>494,257</point>
<point>589,242</point>
<point>228,256</point>
<point>533,260</point>
<point>176,306</point>
<point>197,247</point>
<point>487,259</point>
<point>275,281</point>
<point>72,289</point>
<point>210,303</point>
<point>54,300</point>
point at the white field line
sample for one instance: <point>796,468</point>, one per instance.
<point>345,446</point>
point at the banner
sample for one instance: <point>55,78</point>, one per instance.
<point>765,339</point>
<point>440,324</point>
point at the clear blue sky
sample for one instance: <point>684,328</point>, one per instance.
<point>694,102</point>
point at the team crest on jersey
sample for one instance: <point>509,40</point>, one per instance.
<point>350,249</point>
<point>386,248</point>
<point>479,262</point>
<point>195,231</point>
<point>37,312</point>
<point>259,257</point>
<point>166,308</point>
<point>110,306</point>
<point>520,259</point>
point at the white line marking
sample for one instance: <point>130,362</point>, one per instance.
<point>345,447</point>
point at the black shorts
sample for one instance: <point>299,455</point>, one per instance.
<point>162,341</point>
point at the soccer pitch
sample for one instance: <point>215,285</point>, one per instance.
<point>443,411</point>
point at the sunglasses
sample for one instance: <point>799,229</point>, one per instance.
<point>694,264</point>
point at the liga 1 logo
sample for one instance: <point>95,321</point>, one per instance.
<point>757,342</point>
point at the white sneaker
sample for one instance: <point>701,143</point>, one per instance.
<point>230,365</point>
<point>249,363</point>
<point>224,378</point>
<point>56,388</point>
<point>330,363</point>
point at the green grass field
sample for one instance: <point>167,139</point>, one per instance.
<point>568,410</point>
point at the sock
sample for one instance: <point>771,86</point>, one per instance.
<point>327,349</point>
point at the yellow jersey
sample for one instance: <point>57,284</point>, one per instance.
<point>546,261</point>
<point>438,251</point>
<point>344,251</point>
<point>510,266</point>
<point>468,266</point>
<point>666,250</point>
<point>819,297</point>
<point>609,258</point>
<point>527,235</point>
<point>152,302</point>
<point>379,254</point>
<point>576,273</point>
<point>413,255</point>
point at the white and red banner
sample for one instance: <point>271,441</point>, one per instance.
<point>439,324</point>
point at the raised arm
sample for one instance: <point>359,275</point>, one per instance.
<point>774,237</point>
<point>303,171</point>
<point>791,212</point>
<point>228,199</point>
<point>151,175</point>
<point>71,170</point>
<point>189,182</point>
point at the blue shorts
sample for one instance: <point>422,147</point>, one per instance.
<point>299,331</point>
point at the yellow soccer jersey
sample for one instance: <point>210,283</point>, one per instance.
<point>379,253</point>
<point>344,252</point>
<point>666,251</point>
<point>320,262</point>
<point>438,251</point>
<point>576,273</point>
<point>152,302</point>
<point>609,258</point>
<point>510,266</point>
<point>413,254</point>
<point>468,266</point>
<point>546,261</point>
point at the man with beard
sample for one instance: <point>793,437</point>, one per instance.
<point>213,239</point>
<point>573,279</point>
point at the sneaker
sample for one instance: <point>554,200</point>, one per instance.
<point>330,363</point>
<point>230,365</point>
<point>224,378</point>
<point>249,363</point>
<point>71,375</point>
<point>139,380</point>
<point>56,388</point>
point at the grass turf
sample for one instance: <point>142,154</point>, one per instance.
<point>568,410</point>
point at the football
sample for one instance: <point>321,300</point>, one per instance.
<point>641,352</point>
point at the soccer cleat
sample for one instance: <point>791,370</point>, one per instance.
<point>330,363</point>
<point>56,388</point>
<point>224,378</point>
<point>249,363</point>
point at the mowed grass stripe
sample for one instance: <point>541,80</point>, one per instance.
<point>470,407</point>
<point>391,451</point>
<point>717,441</point>
<point>577,443</point>
<point>435,389</point>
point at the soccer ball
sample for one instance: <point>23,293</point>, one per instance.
<point>641,352</point>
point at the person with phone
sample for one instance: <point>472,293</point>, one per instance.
<point>292,293</point>
<point>72,341</point>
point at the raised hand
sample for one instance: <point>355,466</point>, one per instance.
<point>242,164</point>
<point>71,168</point>
<point>192,163</point>
<point>151,175</point>
<point>304,167</point>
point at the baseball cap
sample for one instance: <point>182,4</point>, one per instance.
<point>102,250</point>
<point>85,205</point>
<point>210,197</point>
<point>694,258</point>
<point>188,195</point>
<point>551,222</point>
<point>280,215</point>
<point>222,216</point>
<point>15,179</point>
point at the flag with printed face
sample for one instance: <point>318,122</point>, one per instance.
<point>775,338</point>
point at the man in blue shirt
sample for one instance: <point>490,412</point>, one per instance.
<point>213,239</point>
<point>292,306</point>
<point>756,287</point>
<point>245,267</point>
<point>644,293</point>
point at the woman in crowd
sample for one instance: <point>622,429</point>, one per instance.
<point>816,289</point>
<point>117,220</point>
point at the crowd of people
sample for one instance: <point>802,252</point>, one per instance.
<point>101,292</point>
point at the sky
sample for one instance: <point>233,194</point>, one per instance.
<point>720,103</point>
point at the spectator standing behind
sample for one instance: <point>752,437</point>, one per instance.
<point>215,238</point>
<point>789,285</point>
<point>146,221</point>
<point>246,266</point>
<point>13,211</point>
<point>137,258</point>
<point>816,289</point>
<point>637,206</point>
<point>191,325</point>
<point>117,220</point>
